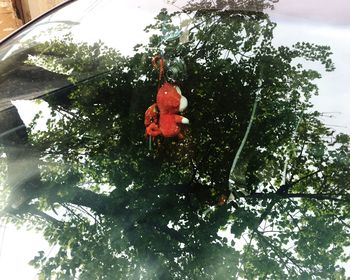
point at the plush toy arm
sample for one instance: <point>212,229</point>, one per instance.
<point>153,130</point>
<point>181,119</point>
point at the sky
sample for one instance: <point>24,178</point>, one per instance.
<point>18,247</point>
<point>323,11</point>
<point>334,94</point>
<point>318,21</point>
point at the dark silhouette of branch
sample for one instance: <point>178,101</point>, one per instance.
<point>277,196</point>
<point>279,252</point>
<point>34,211</point>
<point>285,188</point>
<point>99,203</point>
<point>29,209</point>
<point>307,176</point>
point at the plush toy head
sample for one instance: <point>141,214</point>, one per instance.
<point>170,100</point>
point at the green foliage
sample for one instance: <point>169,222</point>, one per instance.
<point>155,214</point>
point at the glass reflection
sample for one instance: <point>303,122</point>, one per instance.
<point>256,160</point>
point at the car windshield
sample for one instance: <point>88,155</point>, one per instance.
<point>173,139</point>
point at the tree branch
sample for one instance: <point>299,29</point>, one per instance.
<point>34,211</point>
<point>331,197</point>
<point>279,252</point>
<point>29,209</point>
<point>99,203</point>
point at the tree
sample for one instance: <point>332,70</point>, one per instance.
<point>134,213</point>
<point>241,5</point>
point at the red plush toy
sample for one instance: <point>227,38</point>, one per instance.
<point>161,118</point>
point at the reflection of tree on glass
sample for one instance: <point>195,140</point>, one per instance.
<point>233,5</point>
<point>131,212</point>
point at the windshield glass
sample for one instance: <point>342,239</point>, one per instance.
<point>179,140</point>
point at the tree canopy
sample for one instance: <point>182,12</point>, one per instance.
<point>128,212</point>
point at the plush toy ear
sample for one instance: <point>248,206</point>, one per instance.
<point>178,90</point>
<point>183,103</point>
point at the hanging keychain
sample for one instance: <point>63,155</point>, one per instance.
<point>161,118</point>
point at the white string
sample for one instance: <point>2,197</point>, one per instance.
<point>244,140</point>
